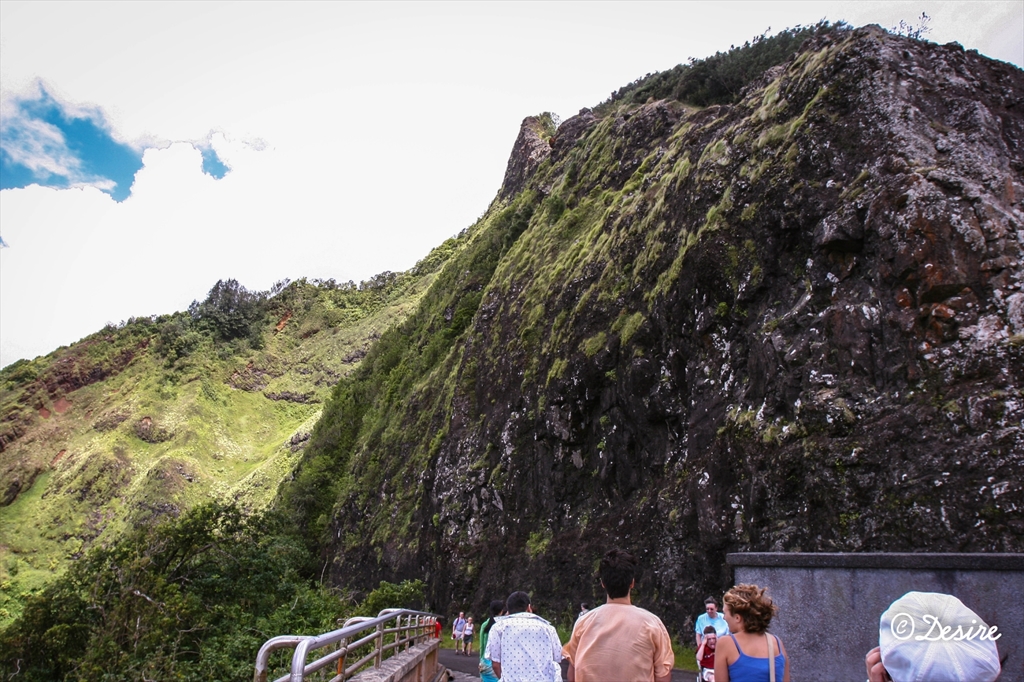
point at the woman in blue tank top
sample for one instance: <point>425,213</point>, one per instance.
<point>742,655</point>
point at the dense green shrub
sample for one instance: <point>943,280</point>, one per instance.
<point>720,78</point>
<point>190,599</point>
<point>437,257</point>
<point>176,337</point>
<point>231,311</point>
<point>406,595</point>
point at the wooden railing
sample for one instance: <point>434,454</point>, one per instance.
<point>408,629</point>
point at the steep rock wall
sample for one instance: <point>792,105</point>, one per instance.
<point>794,323</point>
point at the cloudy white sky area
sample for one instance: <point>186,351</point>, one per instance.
<point>150,149</point>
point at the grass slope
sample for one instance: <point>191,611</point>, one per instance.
<point>155,416</point>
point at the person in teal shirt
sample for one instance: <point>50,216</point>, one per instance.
<point>711,617</point>
<point>486,670</point>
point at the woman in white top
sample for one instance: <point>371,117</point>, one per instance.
<point>468,636</point>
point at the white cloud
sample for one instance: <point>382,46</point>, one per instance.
<point>35,144</point>
<point>359,136</point>
<point>42,147</point>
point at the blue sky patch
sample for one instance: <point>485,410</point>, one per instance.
<point>45,142</point>
<point>212,165</point>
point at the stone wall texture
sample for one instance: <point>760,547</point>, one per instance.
<point>830,604</point>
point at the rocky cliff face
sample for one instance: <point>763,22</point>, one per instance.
<point>531,147</point>
<point>792,323</point>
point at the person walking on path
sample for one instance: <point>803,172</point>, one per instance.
<point>467,637</point>
<point>711,617</point>
<point>486,669</point>
<point>619,641</point>
<point>458,631</point>
<point>749,653</point>
<point>522,646</point>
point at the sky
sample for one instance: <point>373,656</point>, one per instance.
<point>148,150</point>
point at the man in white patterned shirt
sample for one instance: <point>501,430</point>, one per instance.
<point>522,646</point>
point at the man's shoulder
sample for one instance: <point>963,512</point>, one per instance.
<point>620,615</point>
<point>523,621</point>
<point>648,616</point>
<point>524,616</point>
<point>589,616</point>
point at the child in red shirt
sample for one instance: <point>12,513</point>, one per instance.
<point>706,654</point>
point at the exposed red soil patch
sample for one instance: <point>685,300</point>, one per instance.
<point>283,321</point>
<point>44,413</point>
<point>75,370</point>
<point>61,405</point>
<point>146,429</point>
<point>251,378</point>
<point>57,458</point>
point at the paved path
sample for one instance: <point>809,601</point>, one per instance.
<point>465,668</point>
<point>460,664</point>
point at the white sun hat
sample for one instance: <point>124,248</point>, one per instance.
<point>918,647</point>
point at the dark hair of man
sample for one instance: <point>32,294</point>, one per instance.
<point>710,600</point>
<point>617,570</point>
<point>710,630</point>
<point>497,606</point>
<point>517,602</point>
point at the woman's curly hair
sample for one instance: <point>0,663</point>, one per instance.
<point>752,605</point>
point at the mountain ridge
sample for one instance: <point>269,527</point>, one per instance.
<point>736,327</point>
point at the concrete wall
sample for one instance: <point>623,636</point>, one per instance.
<point>416,664</point>
<point>830,604</point>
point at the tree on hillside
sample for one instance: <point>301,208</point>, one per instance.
<point>230,311</point>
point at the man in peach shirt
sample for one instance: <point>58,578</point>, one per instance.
<point>619,641</point>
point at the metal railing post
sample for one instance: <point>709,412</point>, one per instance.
<point>341,661</point>
<point>380,646</point>
<point>339,643</point>
<point>299,660</point>
<point>271,645</point>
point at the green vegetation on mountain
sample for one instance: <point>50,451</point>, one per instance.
<point>389,404</point>
<point>191,598</point>
<point>718,79</point>
<point>697,326</point>
<point>401,398</point>
<point>153,416</point>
